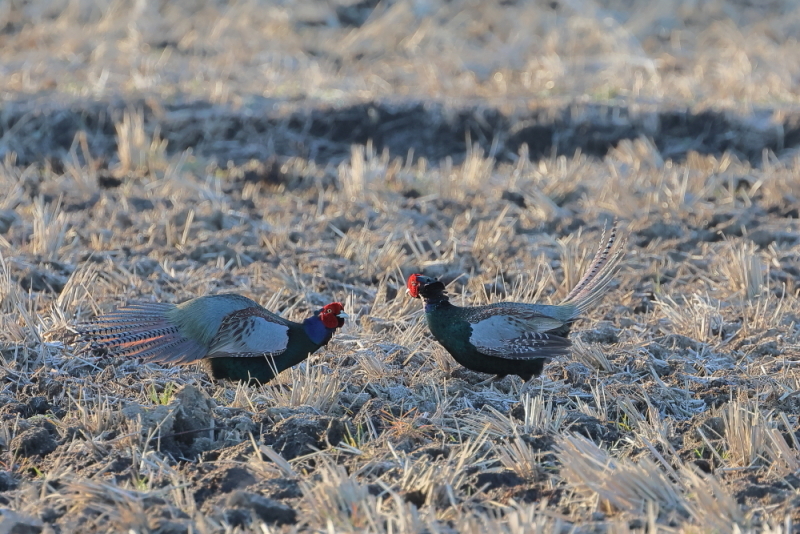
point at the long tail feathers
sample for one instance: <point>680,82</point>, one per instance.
<point>601,271</point>
<point>140,330</point>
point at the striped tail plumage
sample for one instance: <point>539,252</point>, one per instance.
<point>588,291</point>
<point>140,330</point>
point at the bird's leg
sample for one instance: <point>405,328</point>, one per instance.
<point>527,384</point>
<point>490,380</point>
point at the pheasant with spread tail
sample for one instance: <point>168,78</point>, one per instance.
<point>232,336</point>
<point>512,338</point>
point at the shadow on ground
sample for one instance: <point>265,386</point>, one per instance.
<point>430,130</point>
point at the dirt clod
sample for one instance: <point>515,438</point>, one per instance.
<point>265,509</point>
<point>659,230</point>
<point>498,480</point>
<point>300,434</point>
<point>223,480</point>
<point>604,334</point>
<point>7,218</point>
<point>7,482</point>
<point>194,421</point>
<point>33,279</point>
<point>593,428</point>
<point>712,428</point>
<point>38,406</point>
<point>185,426</point>
<point>14,523</point>
<point>33,442</point>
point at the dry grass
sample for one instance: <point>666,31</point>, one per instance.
<point>709,54</point>
<point>717,342</point>
<point>676,412</point>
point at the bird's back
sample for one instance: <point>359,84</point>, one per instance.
<point>476,313</point>
<point>200,319</point>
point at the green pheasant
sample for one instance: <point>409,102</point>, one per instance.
<point>232,336</point>
<point>512,338</point>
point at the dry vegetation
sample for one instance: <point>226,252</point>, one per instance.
<point>678,409</point>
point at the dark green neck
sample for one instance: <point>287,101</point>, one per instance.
<point>435,300</point>
<point>447,325</point>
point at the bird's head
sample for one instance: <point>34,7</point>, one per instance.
<point>421,286</point>
<point>332,315</point>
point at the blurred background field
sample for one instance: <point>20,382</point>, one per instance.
<point>301,152</point>
<point>228,78</point>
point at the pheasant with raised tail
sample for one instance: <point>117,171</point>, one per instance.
<point>232,336</point>
<point>512,338</point>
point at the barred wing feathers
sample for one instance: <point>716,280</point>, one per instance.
<point>250,333</point>
<point>529,346</point>
<point>516,331</point>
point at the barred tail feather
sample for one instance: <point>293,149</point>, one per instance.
<point>141,330</point>
<point>590,289</point>
<point>134,313</point>
<point>179,350</point>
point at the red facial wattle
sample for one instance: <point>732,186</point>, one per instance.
<point>413,285</point>
<point>330,315</point>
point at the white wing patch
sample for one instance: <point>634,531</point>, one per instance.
<point>251,336</point>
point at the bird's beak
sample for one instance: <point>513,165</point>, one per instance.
<point>343,315</point>
<point>408,291</point>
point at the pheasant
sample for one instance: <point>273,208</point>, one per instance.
<point>232,336</point>
<point>512,338</point>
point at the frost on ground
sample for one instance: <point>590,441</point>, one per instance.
<point>676,411</point>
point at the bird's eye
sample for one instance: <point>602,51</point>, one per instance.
<point>328,311</point>
<point>414,284</point>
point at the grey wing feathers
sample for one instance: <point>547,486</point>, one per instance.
<point>537,317</point>
<point>530,346</point>
<point>141,330</point>
<point>250,333</point>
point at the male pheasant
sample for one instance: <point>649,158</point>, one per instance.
<point>512,338</point>
<point>232,336</point>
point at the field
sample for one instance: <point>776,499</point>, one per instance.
<point>299,153</point>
